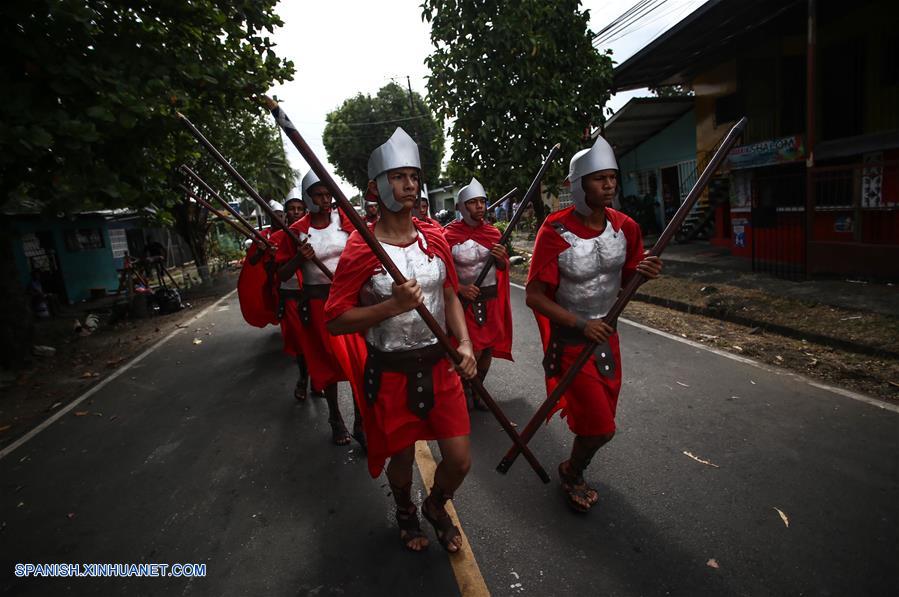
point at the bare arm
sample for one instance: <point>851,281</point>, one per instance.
<point>289,268</point>
<point>455,321</point>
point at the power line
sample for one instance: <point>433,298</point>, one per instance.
<point>623,21</point>
<point>627,27</point>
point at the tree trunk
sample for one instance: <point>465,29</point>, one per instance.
<point>16,319</point>
<point>190,223</point>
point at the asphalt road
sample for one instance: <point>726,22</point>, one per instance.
<point>201,455</point>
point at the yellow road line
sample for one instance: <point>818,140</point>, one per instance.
<point>465,567</point>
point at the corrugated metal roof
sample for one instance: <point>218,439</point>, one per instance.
<point>710,34</point>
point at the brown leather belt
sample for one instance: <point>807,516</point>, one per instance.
<point>284,295</point>
<point>307,293</point>
<point>479,305</point>
<point>560,337</point>
<point>416,364</point>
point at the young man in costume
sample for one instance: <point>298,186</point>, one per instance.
<point>288,293</point>
<point>488,312</point>
<point>371,212</point>
<point>422,213</point>
<point>325,232</point>
<point>406,386</point>
<point>583,255</point>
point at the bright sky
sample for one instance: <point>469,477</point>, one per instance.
<point>339,49</point>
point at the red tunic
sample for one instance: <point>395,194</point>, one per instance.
<point>315,341</point>
<point>496,333</point>
<point>590,402</point>
<point>291,327</point>
<point>390,426</point>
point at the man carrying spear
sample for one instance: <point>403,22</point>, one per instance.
<point>288,293</point>
<point>405,385</point>
<point>325,232</point>
<point>488,311</point>
<point>583,255</point>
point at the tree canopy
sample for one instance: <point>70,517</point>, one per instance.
<point>516,77</point>
<point>91,89</point>
<point>363,122</point>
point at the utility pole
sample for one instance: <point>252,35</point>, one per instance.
<point>411,103</point>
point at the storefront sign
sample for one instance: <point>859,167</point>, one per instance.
<point>767,153</point>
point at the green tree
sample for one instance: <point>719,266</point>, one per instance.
<point>90,90</point>
<point>363,122</point>
<point>517,77</point>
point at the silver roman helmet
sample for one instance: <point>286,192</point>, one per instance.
<point>309,181</point>
<point>293,195</point>
<point>472,190</point>
<point>587,161</point>
<point>400,151</point>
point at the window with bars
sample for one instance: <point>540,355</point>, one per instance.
<point>118,242</point>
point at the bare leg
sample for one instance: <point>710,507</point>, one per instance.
<point>358,430</point>
<point>299,391</point>
<point>339,434</point>
<point>399,475</point>
<point>450,473</point>
<point>483,358</point>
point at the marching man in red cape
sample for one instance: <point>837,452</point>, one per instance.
<point>406,387</point>
<point>488,312</point>
<point>325,233</point>
<point>583,255</point>
<point>288,293</point>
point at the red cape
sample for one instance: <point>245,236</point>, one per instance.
<point>256,290</point>
<point>357,264</point>
<point>545,263</point>
<point>488,235</point>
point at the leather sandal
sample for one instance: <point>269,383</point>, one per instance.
<point>576,490</point>
<point>410,527</point>
<point>339,434</point>
<point>443,525</point>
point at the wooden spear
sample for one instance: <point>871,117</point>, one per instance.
<point>502,199</point>
<point>250,190</point>
<point>240,229</point>
<point>185,170</point>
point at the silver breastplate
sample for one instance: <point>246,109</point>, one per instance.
<point>590,272</point>
<point>328,244</point>
<point>469,257</point>
<point>407,331</point>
